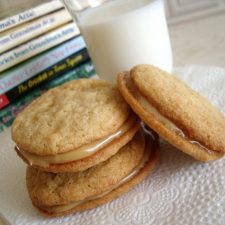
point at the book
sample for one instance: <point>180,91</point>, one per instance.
<point>27,31</point>
<point>22,72</point>
<point>30,14</point>
<point>8,114</point>
<point>38,45</point>
<point>58,69</point>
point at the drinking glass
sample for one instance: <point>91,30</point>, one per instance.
<point>123,33</point>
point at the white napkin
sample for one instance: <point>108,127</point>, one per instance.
<point>180,191</point>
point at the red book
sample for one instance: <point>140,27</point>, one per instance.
<point>3,100</point>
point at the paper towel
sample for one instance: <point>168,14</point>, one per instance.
<point>180,191</point>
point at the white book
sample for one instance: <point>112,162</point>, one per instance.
<point>27,31</point>
<point>38,45</point>
<point>30,14</point>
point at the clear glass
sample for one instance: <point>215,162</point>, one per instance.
<point>122,33</point>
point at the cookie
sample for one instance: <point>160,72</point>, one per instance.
<point>179,114</point>
<point>74,126</point>
<point>65,193</point>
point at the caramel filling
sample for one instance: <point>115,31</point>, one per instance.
<point>78,153</point>
<point>133,173</point>
<point>170,125</point>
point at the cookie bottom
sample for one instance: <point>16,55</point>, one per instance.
<point>149,166</point>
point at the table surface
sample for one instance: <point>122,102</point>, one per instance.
<point>200,41</point>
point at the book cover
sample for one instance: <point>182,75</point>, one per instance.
<point>22,72</point>
<point>27,31</point>
<point>56,70</point>
<point>30,14</point>
<point>38,45</point>
<point>8,114</point>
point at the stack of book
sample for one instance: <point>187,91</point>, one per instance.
<point>39,49</point>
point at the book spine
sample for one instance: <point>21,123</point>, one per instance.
<point>26,32</point>
<point>30,14</point>
<point>38,45</point>
<point>54,71</point>
<point>8,114</point>
<point>15,76</point>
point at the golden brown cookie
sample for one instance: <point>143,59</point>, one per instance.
<point>179,114</point>
<point>74,126</point>
<point>64,193</point>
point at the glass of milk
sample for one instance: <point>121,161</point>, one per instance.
<point>122,33</point>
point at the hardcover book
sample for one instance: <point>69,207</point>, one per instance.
<point>24,71</point>
<point>38,45</point>
<point>27,31</point>
<point>30,14</point>
<point>58,69</point>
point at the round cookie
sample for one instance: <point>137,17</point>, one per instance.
<point>179,114</point>
<point>64,193</point>
<point>74,126</point>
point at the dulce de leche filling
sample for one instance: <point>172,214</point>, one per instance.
<point>170,125</point>
<point>133,173</point>
<point>78,153</point>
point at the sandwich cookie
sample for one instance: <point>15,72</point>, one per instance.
<point>64,193</point>
<point>179,114</point>
<point>74,126</point>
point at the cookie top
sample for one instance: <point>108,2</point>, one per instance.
<point>175,111</point>
<point>70,116</point>
<point>75,165</point>
<point>47,189</point>
<point>187,109</point>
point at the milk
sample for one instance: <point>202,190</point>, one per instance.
<point>123,33</point>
